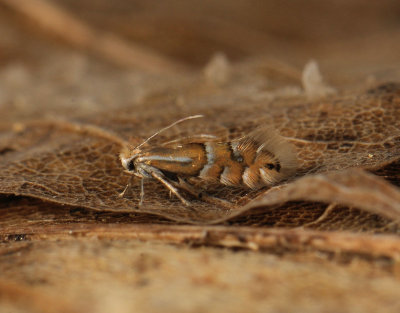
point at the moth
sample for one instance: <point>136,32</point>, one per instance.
<point>258,159</point>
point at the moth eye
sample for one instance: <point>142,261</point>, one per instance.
<point>131,165</point>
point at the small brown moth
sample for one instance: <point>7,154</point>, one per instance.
<point>261,158</point>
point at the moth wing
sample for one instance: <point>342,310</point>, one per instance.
<point>266,139</point>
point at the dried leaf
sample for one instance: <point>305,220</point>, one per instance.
<point>79,166</point>
<point>352,187</point>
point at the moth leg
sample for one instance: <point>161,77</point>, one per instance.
<point>141,192</point>
<point>127,189</point>
<point>200,194</point>
<point>189,188</point>
<point>171,188</point>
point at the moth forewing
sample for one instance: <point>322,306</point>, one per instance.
<point>269,158</point>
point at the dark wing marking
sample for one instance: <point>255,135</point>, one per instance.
<point>264,143</point>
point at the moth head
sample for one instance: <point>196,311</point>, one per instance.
<point>128,158</point>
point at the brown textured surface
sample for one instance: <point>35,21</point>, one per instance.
<point>216,279</point>
<point>77,167</point>
<point>326,240</point>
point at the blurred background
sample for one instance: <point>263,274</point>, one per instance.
<point>97,53</point>
<point>190,32</point>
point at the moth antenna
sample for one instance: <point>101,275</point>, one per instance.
<point>169,126</point>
